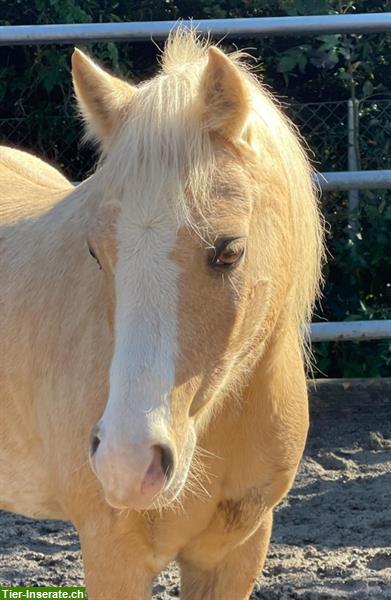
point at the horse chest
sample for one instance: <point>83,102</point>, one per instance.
<point>218,524</point>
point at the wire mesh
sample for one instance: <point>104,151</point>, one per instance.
<point>374,123</point>
<point>323,126</point>
<point>56,139</point>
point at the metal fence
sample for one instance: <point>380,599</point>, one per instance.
<point>324,125</point>
<point>146,30</point>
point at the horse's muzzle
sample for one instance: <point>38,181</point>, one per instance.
<point>132,476</point>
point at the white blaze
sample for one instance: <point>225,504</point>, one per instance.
<point>142,371</point>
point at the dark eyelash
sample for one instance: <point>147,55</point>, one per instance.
<point>94,256</point>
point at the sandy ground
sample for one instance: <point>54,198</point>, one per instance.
<point>331,538</point>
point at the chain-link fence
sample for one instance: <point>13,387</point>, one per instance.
<point>374,134</point>
<point>54,138</point>
<point>324,126</point>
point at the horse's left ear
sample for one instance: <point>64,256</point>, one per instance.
<point>103,98</point>
<point>225,95</point>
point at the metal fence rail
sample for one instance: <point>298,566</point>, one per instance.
<point>350,330</point>
<point>250,27</point>
<point>143,31</point>
<point>345,180</point>
<point>358,180</point>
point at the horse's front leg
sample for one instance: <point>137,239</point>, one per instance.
<point>117,559</point>
<point>233,577</point>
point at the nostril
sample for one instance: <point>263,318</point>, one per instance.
<point>94,440</point>
<point>159,471</point>
<point>167,462</point>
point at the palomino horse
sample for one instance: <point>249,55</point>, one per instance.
<point>154,393</point>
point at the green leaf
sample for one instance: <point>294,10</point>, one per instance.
<point>286,64</point>
<point>112,51</point>
<point>367,88</point>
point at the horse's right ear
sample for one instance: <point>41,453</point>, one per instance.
<point>102,98</point>
<point>226,101</point>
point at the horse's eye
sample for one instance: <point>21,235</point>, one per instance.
<point>227,254</point>
<point>93,254</point>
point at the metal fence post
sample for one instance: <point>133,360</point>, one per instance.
<point>353,165</point>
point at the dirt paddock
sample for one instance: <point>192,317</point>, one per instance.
<point>331,537</point>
